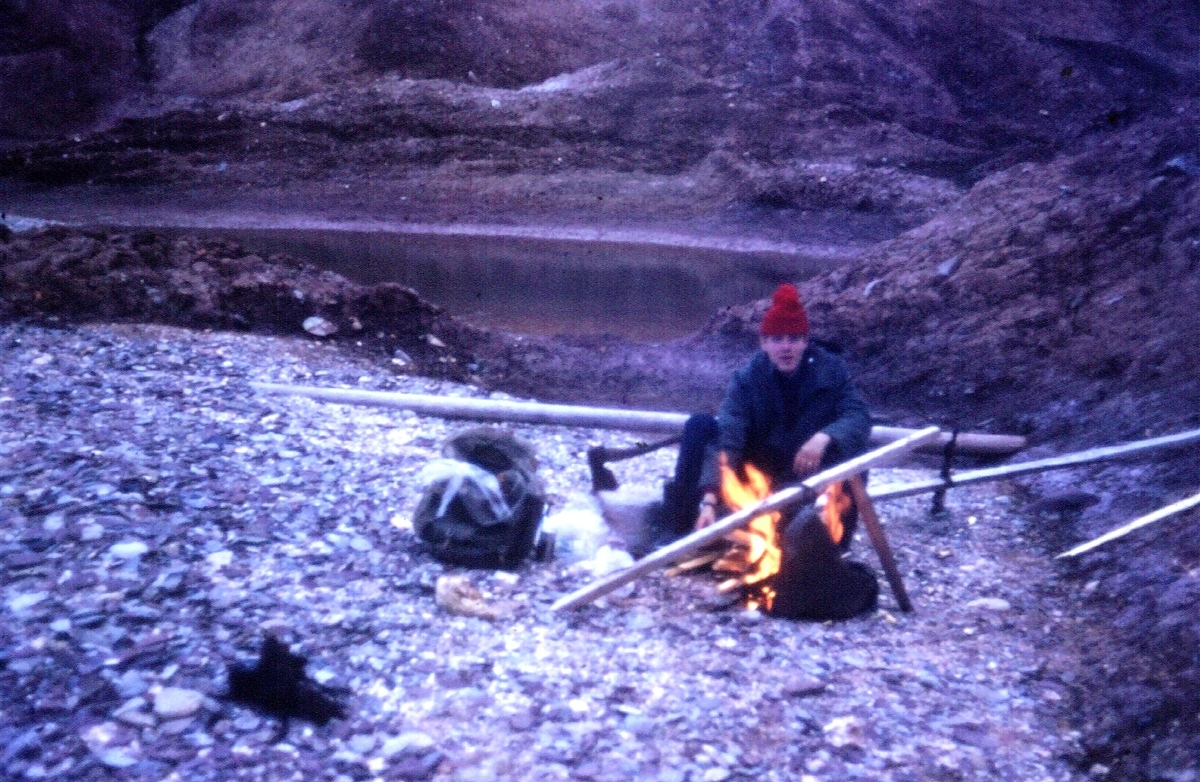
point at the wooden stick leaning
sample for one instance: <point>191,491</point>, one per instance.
<point>1149,518</point>
<point>1039,465</point>
<point>598,417</point>
<point>681,548</point>
<point>887,560</point>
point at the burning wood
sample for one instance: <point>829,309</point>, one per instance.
<point>834,504</point>
<point>695,563</point>
<point>756,553</point>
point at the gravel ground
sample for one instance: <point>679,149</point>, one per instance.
<point>157,517</point>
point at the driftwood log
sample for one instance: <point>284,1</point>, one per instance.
<point>599,417</point>
<point>806,491</point>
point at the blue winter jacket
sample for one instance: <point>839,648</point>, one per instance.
<point>753,424</point>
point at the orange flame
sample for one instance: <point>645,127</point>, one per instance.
<point>761,538</point>
<point>837,502</point>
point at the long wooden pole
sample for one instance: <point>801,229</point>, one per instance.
<point>492,409</point>
<point>683,547</point>
<point>597,417</point>
<point>1149,518</point>
<point>1039,465</point>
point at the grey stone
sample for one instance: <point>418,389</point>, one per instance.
<point>319,327</point>
<point>129,549</point>
<point>118,757</point>
<point>176,702</point>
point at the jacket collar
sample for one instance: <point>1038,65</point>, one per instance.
<point>814,367</point>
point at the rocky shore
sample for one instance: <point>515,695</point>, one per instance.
<point>159,518</point>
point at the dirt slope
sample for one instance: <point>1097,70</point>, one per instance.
<point>1074,281</point>
<point>564,108</point>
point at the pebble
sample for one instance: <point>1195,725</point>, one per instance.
<point>118,757</point>
<point>799,686</point>
<point>247,723</point>
<point>844,732</point>
<point>361,743</point>
<point>175,702</point>
<point>133,714</point>
<point>219,559</point>
<point>406,743</point>
<point>131,684</point>
<point>129,550</point>
<point>990,604</point>
<point>175,727</point>
<point>639,724</point>
<point>319,327</point>
<point>639,621</point>
<point>27,743</point>
<point>26,601</point>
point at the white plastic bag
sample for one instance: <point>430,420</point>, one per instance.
<point>579,531</point>
<point>455,473</point>
<point>607,559</point>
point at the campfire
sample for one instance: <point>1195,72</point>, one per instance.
<point>756,552</point>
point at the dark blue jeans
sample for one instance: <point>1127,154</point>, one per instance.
<point>699,431</point>
<point>681,495</point>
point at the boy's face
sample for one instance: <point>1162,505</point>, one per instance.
<point>785,351</point>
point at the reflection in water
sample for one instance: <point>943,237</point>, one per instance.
<point>655,302</point>
<point>640,290</point>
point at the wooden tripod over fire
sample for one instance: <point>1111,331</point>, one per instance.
<point>793,495</point>
<point>756,554</point>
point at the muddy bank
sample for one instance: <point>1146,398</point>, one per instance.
<point>1060,298</point>
<point>646,285</point>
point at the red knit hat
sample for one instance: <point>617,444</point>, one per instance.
<point>786,316</point>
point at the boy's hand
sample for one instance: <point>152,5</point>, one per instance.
<point>708,511</point>
<point>808,458</point>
